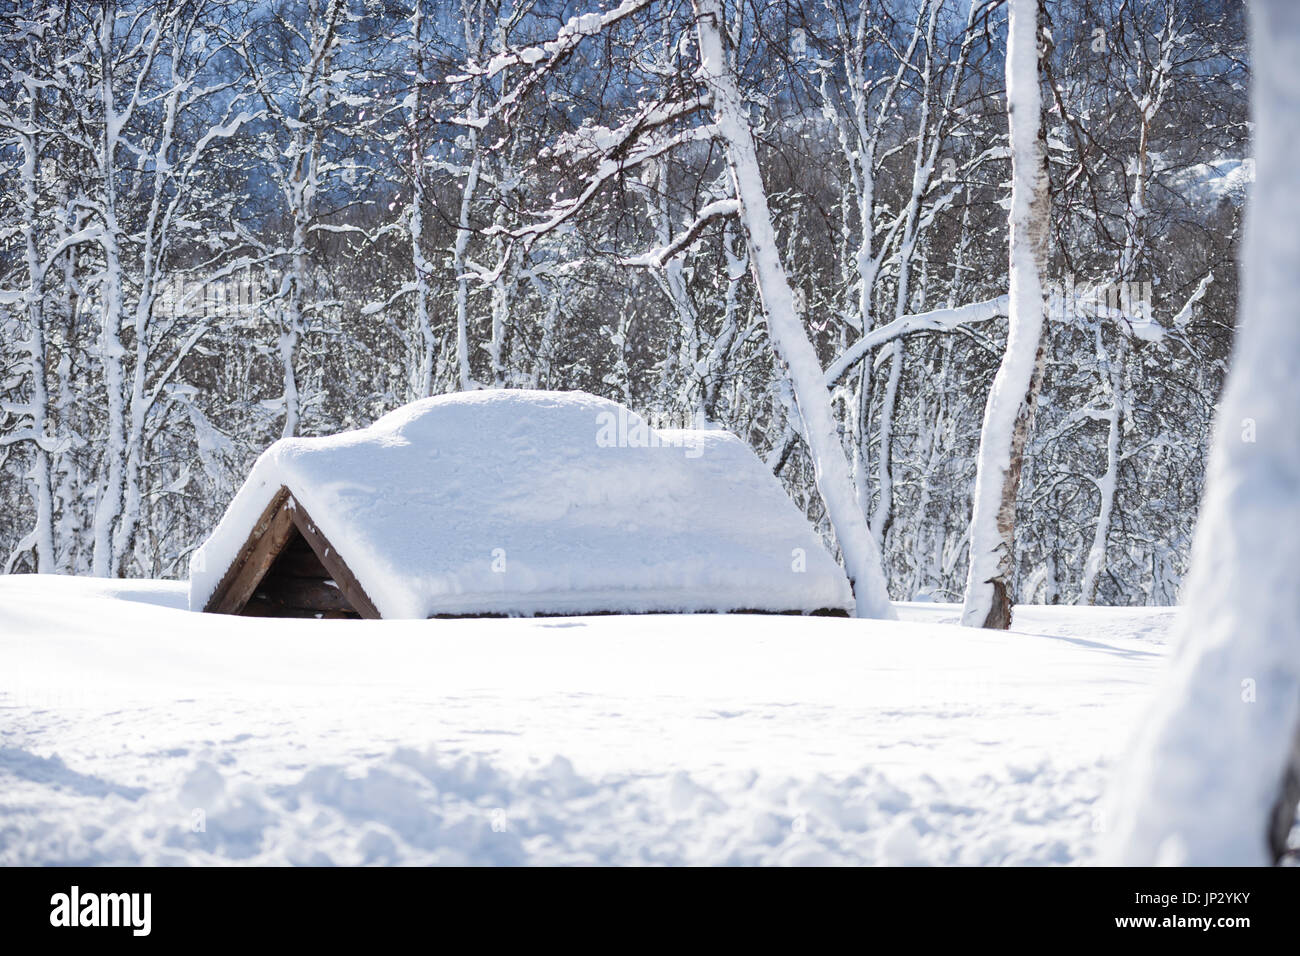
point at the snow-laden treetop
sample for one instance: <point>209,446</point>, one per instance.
<point>534,502</point>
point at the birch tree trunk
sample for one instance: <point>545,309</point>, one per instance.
<point>1214,774</point>
<point>419,264</point>
<point>1008,416</point>
<point>1151,86</point>
<point>302,193</point>
<point>108,505</point>
<point>38,405</point>
<point>1108,484</point>
<point>502,294</point>
<point>458,256</point>
<point>789,340</point>
<point>307,141</point>
<point>473,20</point>
<point>922,165</point>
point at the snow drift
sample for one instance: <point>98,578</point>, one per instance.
<point>673,739</point>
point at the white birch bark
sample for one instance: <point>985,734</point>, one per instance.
<point>300,184</point>
<point>922,164</point>
<point>1008,416</point>
<point>790,341</point>
<point>41,537</point>
<point>1152,83</point>
<point>472,21</point>
<point>458,258</point>
<point>172,165</point>
<point>1213,776</point>
<point>420,266</point>
<point>108,505</point>
<point>1108,483</point>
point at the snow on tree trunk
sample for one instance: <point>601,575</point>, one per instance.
<point>420,266</point>
<point>296,281</point>
<point>308,126</point>
<point>503,289</point>
<point>108,505</point>
<point>474,25</point>
<point>42,536</point>
<point>883,513</point>
<point>1108,484</point>
<point>1149,94</point>
<point>1010,410</point>
<point>69,477</point>
<point>715,364</point>
<point>922,166</point>
<point>790,341</point>
<point>465,380</point>
<point>1214,774</point>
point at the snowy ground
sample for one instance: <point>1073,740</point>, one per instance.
<point>134,731</point>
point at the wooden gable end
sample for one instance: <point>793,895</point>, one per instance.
<point>288,568</point>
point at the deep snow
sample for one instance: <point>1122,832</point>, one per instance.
<point>706,738</point>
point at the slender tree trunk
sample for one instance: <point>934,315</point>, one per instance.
<point>39,403</point>
<point>790,341</point>
<point>138,408</point>
<point>419,265</point>
<point>69,526</point>
<point>883,513</point>
<point>922,165</point>
<point>292,328</point>
<point>715,371</point>
<point>1009,414</point>
<point>1108,485</point>
<point>458,259</point>
<point>108,507</point>
<point>502,293</point>
<point>307,143</point>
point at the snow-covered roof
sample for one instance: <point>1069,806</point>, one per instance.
<point>532,502</point>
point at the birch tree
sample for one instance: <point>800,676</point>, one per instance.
<point>647,136</point>
<point>1214,773</point>
<point>297,91</point>
<point>1008,416</point>
<point>23,124</point>
<point>149,77</point>
<point>126,80</point>
<point>789,340</point>
<point>186,88</point>
<point>421,268</point>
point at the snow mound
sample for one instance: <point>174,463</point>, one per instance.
<point>528,502</point>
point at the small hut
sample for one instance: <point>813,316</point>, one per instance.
<point>513,503</point>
